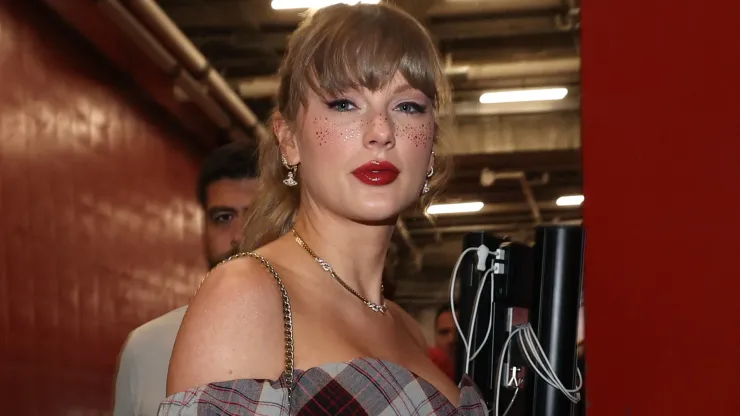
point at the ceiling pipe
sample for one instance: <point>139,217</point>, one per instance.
<point>193,61</point>
<point>186,84</point>
<point>571,20</point>
<point>517,69</point>
<point>531,201</point>
<point>499,6</point>
<point>468,108</point>
<point>488,178</point>
<point>264,87</point>
<point>199,94</point>
<point>140,35</point>
<point>461,229</point>
<point>526,190</point>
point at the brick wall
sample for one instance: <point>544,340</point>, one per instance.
<point>100,229</point>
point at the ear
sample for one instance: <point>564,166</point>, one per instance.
<point>286,139</point>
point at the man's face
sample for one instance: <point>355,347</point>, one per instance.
<point>445,335</point>
<point>227,201</point>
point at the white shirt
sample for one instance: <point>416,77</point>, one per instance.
<point>141,383</point>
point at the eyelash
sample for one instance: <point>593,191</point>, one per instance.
<point>415,108</point>
<point>334,105</point>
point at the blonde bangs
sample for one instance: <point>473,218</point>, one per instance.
<point>366,49</point>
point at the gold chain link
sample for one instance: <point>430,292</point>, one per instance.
<point>287,315</point>
<point>381,308</point>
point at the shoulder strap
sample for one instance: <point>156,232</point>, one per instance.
<point>287,314</point>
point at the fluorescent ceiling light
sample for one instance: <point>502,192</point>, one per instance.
<point>314,4</point>
<point>569,201</point>
<point>517,96</point>
<point>458,208</point>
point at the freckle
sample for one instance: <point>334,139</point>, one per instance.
<point>230,371</point>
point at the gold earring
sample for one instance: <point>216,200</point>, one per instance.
<point>292,169</point>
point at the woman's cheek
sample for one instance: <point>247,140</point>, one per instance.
<point>419,134</point>
<point>327,131</point>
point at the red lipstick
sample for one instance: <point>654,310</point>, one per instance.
<point>377,173</point>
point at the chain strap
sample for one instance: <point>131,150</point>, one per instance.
<point>375,307</point>
<point>287,315</point>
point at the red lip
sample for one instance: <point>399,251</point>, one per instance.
<point>377,173</point>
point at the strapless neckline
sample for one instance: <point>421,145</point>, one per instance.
<point>358,386</point>
<point>390,366</point>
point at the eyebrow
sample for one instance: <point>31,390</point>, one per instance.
<point>221,208</point>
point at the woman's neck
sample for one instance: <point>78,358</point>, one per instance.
<point>355,251</point>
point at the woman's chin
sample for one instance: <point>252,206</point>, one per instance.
<point>376,215</point>
<point>376,218</point>
<point>372,210</point>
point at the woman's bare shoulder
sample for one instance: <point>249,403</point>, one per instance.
<point>233,328</point>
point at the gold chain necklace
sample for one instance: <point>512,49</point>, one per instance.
<point>382,307</point>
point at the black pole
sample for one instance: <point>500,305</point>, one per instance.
<point>554,314</point>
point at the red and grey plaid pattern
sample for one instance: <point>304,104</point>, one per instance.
<point>361,387</point>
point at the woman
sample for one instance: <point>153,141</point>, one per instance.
<point>361,88</point>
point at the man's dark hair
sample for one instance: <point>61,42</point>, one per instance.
<point>236,160</point>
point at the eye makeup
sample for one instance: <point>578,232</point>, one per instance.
<point>340,119</point>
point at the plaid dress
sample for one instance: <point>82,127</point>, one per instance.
<point>362,386</point>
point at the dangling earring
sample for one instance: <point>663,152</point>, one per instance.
<point>425,189</point>
<point>290,180</point>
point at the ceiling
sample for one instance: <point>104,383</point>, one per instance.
<point>517,158</point>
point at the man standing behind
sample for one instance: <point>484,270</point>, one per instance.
<point>445,340</point>
<point>226,187</point>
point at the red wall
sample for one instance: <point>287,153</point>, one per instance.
<point>661,148</point>
<point>100,229</point>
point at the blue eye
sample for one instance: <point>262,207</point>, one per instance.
<point>411,108</point>
<point>341,105</point>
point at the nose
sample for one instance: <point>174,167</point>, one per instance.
<point>380,132</point>
<point>237,231</point>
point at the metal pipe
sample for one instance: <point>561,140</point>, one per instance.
<point>185,83</point>
<point>474,109</point>
<point>199,94</point>
<point>233,102</point>
<point>490,178</point>
<point>529,68</point>
<point>571,20</point>
<point>259,87</point>
<point>529,197</point>
<point>196,63</point>
<point>498,6</point>
<point>128,23</point>
<point>162,25</point>
<point>460,229</point>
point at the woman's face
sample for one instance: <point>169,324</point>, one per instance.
<point>363,155</point>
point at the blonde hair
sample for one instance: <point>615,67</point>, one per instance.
<point>337,49</point>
